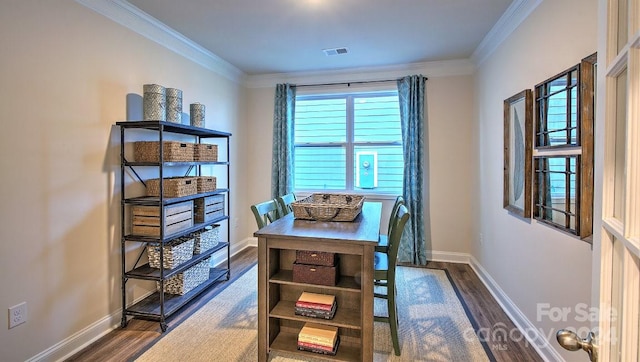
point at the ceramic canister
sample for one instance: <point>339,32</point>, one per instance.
<point>197,114</point>
<point>154,102</point>
<point>174,105</point>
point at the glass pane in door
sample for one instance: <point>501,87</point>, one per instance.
<point>623,22</point>
<point>620,145</point>
<point>617,298</point>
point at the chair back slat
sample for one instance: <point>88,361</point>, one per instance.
<point>399,222</point>
<point>285,202</point>
<point>265,212</point>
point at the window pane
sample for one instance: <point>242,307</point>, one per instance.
<point>556,191</point>
<point>388,170</point>
<point>557,107</point>
<point>333,131</point>
<point>320,168</point>
<point>620,145</point>
<point>320,121</point>
<point>376,119</point>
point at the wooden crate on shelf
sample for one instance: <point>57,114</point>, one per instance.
<point>173,186</point>
<point>172,151</point>
<point>146,219</point>
<point>208,208</point>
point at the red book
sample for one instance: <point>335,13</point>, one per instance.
<point>311,305</point>
<point>315,346</point>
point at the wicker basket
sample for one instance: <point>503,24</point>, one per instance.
<point>206,239</point>
<point>316,258</point>
<point>175,253</point>
<point>328,207</point>
<point>205,152</point>
<point>184,282</point>
<point>173,186</point>
<point>206,184</point>
<point>315,274</point>
<point>149,151</point>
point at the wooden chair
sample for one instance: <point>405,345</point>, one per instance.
<point>383,240</point>
<point>265,212</point>
<point>384,274</point>
<point>285,203</point>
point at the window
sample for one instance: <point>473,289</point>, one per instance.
<point>348,142</point>
<point>563,162</point>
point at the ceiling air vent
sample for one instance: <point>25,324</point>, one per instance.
<point>335,51</point>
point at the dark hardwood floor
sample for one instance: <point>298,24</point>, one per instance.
<point>123,344</point>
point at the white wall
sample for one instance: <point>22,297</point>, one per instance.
<point>533,264</point>
<point>66,72</point>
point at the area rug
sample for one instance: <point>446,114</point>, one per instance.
<point>434,325</point>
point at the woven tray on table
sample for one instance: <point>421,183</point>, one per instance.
<point>328,207</point>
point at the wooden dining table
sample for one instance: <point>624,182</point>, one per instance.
<point>354,243</point>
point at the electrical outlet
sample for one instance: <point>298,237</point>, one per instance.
<point>17,314</point>
<point>481,239</point>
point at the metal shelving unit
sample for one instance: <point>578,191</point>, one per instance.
<point>160,305</point>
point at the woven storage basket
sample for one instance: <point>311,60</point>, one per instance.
<point>205,152</point>
<point>175,253</point>
<point>183,283</point>
<point>315,274</point>
<point>205,184</point>
<point>173,186</point>
<point>206,239</point>
<point>149,151</point>
<point>315,258</point>
<point>328,207</point>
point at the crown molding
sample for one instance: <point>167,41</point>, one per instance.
<point>127,15</point>
<point>428,69</point>
<point>515,14</point>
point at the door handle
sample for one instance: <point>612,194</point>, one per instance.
<point>569,340</point>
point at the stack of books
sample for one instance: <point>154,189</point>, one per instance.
<point>316,305</point>
<point>319,339</point>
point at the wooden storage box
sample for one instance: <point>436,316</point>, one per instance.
<point>205,184</point>
<point>315,258</point>
<point>209,208</point>
<point>206,239</point>
<point>173,186</point>
<point>315,274</point>
<point>205,152</point>
<point>149,151</point>
<point>184,282</point>
<point>328,207</point>
<point>175,253</point>
<point>146,219</point>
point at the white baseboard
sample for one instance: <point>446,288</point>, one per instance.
<point>76,342</point>
<point>533,334</point>
<point>80,340</point>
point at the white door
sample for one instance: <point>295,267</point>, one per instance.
<point>616,257</point>
<point>616,229</point>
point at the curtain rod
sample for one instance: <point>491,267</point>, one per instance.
<point>343,83</point>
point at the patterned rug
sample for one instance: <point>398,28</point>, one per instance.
<point>434,325</point>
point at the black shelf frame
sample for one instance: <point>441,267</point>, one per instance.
<point>159,305</point>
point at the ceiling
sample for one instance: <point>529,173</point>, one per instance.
<point>287,36</point>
